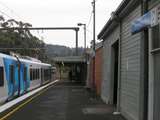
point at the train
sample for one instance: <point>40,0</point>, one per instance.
<point>19,76</point>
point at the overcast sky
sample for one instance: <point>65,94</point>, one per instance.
<point>60,13</point>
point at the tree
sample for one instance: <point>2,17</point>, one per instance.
<point>21,38</point>
<point>1,20</point>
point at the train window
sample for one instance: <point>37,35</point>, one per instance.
<point>31,74</point>
<point>42,74</point>
<point>50,71</point>
<point>38,74</point>
<point>25,74</point>
<point>34,74</point>
<point>12,77</point>
<point>47,74</point>
<point>1,76</point>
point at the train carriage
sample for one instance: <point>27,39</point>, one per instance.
<point>18,76</point>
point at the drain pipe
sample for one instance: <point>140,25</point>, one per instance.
<point>119,66</point>
<point>145,42</point>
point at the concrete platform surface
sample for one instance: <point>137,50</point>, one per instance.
<point>64,101</point>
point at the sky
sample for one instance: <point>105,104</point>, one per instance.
<point>60,13</point>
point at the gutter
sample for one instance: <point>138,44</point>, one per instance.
<point>120,12</point>
<point>120,7</point>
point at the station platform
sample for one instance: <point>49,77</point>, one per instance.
<point>61,101</point>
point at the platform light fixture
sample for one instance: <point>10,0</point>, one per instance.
<point>82,24</point>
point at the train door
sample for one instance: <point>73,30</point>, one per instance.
<point>12,77</point>
<point>25,78</point>
<point>21,79</point>
<point>17,79</point>
<point>12,81</point>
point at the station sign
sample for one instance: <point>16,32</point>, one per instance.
<point>149,19</point>
<point>141,23</point>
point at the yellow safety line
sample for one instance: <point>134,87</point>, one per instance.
<point>20,106</point>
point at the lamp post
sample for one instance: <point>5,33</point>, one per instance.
<point>81,24</point>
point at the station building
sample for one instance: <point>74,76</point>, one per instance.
<point>131,55</point>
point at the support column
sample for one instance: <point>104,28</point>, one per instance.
<point>76,42</point>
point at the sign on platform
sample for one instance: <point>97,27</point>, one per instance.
<point>150,19</point>
<point>141,23</point>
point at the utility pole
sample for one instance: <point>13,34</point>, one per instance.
<point>94,24</point>
<point>94,41</point>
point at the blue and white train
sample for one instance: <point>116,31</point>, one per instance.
<point>18,76</point>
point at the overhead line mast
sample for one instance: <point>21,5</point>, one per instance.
<point>76,29</point>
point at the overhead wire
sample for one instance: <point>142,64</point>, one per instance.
<point>90,16</point>
<point>21,48</point>
<point>90,19</point>
<point>89,31</point>
<point>11,10</point>
<point>5,14</point>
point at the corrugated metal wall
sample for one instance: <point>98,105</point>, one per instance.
<point>153,3</point>
<point>106,75</point>
<point>130,68</point>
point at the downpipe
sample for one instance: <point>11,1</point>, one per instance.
<point>145,42</point>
